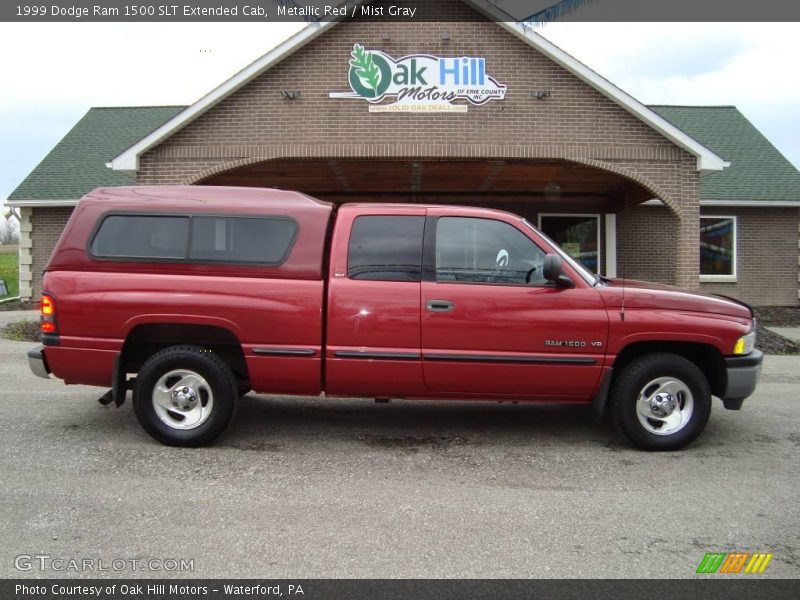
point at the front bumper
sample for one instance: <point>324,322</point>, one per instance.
<point>38,363</point>
<point>743,372</point>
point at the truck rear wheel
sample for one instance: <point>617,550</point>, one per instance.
<point>185,396</point>
<point>660,402</point>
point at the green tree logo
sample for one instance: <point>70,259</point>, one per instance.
<point>370,73</point>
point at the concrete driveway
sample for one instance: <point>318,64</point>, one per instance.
<point>316,488</point>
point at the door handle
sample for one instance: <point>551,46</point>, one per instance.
<point>441,306</point>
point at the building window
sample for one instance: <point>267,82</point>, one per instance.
<point>578,236</point>
<point>718,248</point>
<point>386,249</point>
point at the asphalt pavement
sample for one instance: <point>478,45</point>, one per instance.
<point>347,488</point>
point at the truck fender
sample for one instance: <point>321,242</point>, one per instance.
<point>154,319</point>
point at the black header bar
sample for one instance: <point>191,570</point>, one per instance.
<point>410,11</point>
<point>734,587</point>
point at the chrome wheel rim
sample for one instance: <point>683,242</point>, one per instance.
<point>664,406</point>
<point>183,399</point>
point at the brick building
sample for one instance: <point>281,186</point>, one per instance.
<point>461,110</point>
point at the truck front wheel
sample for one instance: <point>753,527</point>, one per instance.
<point>185,396</point>
<point>660,402</point>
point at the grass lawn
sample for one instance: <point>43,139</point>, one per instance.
<point>9,271</point>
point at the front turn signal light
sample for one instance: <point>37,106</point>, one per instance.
<point>745,344</point>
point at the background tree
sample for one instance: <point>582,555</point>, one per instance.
<point>9,232</point>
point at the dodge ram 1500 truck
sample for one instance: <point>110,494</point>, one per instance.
<point>191,296</point>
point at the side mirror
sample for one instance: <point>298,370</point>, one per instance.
<point>553,271</point>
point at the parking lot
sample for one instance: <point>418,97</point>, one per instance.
<point>332,488</point>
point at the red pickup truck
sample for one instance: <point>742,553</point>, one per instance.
<point>192,296</point>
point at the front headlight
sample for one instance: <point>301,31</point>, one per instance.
<point>745,344</point>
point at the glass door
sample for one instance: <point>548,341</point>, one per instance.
<point>578,235</point>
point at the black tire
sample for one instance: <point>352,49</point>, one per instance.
<point>632,381</point>
<point>222,389</point>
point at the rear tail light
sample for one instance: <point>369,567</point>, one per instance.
<point>47,320</point>
<point>48,305</point>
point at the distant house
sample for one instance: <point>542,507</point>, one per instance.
<point>687,195</point>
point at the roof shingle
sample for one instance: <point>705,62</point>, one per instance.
<point>758,170</point>
<point>77,164</point>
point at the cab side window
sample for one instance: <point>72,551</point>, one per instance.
<point>487,251</point>
<point>386,248</point>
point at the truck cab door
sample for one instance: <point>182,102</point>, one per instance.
<point>373,320</point>
<point>492,326</point>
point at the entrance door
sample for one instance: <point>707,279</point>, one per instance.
<point>578,236</point>
<point>491,324</point>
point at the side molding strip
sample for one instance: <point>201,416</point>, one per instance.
<point>494,358</point>
<point>284,352</point>
<point>377,355</point>
<point>491,358</point>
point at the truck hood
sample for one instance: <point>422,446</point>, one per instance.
<point>641,294</point>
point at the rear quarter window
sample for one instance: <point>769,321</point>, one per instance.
<point>195,238</point>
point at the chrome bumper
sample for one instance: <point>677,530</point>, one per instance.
<point>743,372</point>
<point>37,362</point>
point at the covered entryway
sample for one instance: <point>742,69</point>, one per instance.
<point>574,203</point>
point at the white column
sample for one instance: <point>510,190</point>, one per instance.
<point>611,245</point>
<point>25,254</point>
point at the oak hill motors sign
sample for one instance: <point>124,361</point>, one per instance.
<point>419,82</point>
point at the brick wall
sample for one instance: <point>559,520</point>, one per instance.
<point>575,122</point>
<point>645,241</point>
<point>47,225</point>
<point>767,253</point>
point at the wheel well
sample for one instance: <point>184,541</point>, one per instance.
<point>145,340</point>
<point>707,358</point>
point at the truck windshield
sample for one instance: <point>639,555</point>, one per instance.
<point>587,275</point>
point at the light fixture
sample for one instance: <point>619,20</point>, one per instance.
<point>445,37</point>
<point>385,37</point>
<point>552,192</point>
<point>291,94</point>
<point>540,94</point>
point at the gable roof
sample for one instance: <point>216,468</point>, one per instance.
<point>76,165</point>
<point>759,174</point>
<point>128,161</point>
<point>758,171</point>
